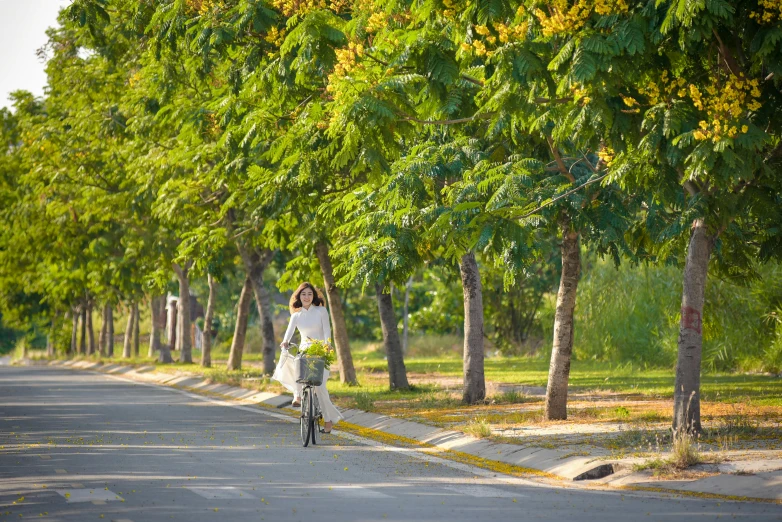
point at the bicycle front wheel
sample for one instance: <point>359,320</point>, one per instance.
<point>305,421</point>
<point>313,419</point>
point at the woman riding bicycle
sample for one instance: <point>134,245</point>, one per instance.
<point>310,317</point>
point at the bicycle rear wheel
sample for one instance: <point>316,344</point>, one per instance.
<point>305,421</point>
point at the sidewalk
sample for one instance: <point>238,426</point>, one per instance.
<point>746,475</point>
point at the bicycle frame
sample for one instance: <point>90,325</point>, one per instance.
<point>311,415</point>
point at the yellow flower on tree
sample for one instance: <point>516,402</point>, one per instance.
<point>562,17</point>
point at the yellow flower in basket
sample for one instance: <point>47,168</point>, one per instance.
<point>322,349</point>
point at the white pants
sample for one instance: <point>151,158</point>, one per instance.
<point>284,374</point>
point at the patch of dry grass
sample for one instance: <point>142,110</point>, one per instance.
<point>684,450</point>
<point>479,428</point>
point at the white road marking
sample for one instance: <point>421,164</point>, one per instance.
<point>60,471</point>
<point>87,495</point>
<point>358,492</point>
<point>483,491</point>
<point>213,493</point>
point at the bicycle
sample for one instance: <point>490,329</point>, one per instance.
<point>309,423</point>
<point>309,372</point>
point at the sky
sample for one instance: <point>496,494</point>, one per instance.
<point>23,25</point>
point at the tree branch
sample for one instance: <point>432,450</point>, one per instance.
<point>730,61</point>
<point>558,158</point>
<point>443,122</point>
<point>465,77</point>
<point>563,195</point>
<point>542,101</point>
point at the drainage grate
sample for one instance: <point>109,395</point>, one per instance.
<point>599,472</point>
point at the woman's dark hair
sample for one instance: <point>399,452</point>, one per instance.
<point>317,297</point>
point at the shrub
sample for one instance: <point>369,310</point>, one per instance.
<point>364,401</point>
<point>434,345</point>
<point>657,464</point>
<point>513,397</point>
<point>432,400</point>
<point>631,313</point>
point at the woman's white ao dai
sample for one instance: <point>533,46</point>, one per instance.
<point>312,323</point>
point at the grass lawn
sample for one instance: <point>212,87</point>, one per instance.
<point>585,376</point>
<point>436,380</point>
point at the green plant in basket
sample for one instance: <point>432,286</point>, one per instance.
<point>322,349</point>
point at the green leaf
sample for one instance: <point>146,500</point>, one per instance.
<point>563,55</point>
<point>584,66</point>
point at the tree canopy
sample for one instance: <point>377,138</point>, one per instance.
<point>495,139</point>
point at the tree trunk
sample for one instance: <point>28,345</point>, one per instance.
<point>90,332</point>
<point>157,309</point>
<point>474,380</point>
<point>686,395</point>
<point>109,331</point>
<point>397,374</point>
<point>83,341</point>
<point>255,264</point>
<point>103,332</point>
<point>50,338</point>
<point>530,318</point>
<point>171,315</point>
<point>183,340</point>
<point>126,347</point>
<point>406,316</point>
<point>74,332</point>
<point>240,331</point>
<point>206,346</point>
<point>136,336</point>
<point>559,367</point>
<point>165,348</point>
<point>347,372</point>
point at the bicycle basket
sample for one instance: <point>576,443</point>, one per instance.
<point>309,370</point>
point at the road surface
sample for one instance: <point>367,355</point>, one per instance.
<point>78,446</point>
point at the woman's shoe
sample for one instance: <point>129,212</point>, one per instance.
<point>296,403</point>
<point>327,427</point>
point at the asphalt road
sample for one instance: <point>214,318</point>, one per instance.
<point>80,446</point>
